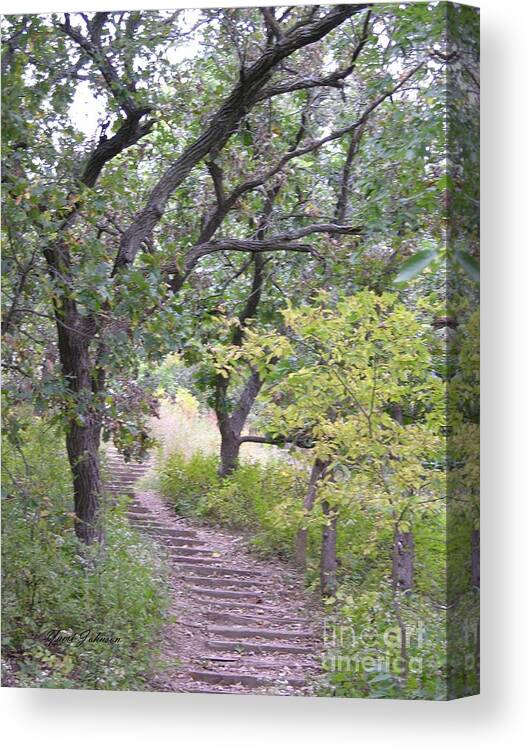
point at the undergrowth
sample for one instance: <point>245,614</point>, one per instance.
<point>262,499</point>
<point>72,616</point>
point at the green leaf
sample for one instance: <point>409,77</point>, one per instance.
<point>413,266</point>
<point>469,264</point>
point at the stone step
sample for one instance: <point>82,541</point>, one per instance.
<point>128,483</point>
<point>218,571</point>
<point>113,467</point>
<point>112,464</point>
<point>181,551</point>
<point>257,648</point>
<point>261,661</point>
<point>249,596</point>
<point>113,477</point>
<point>184,541</point>
<point>176,541</point>
<point>174,535</point>
<point>239,605</point>
<point>122,483</point>
<point>118,478</point>
<point>139,510</point>
<point>241,678</point>
<point>279,635</point>
<point>185,558</point>
<point>228,618</point>
<point>208,581</point>
<point>205,689</point>
<point>154,527</point>
<point>142,519</point>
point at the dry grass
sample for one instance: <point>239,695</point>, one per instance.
<point>185,428</point>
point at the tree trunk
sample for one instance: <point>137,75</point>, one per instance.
<point>82,444</point>
<point>328,562</point>
<point>231,425</point>
<point>83,433</point>
<point>318,469</point>
<point>403,553</point>
<point>229,451</point>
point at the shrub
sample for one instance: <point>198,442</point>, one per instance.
<point>261,498</point>
<point>116,589</point>
<point>185,481</point>
<point>363,638</point>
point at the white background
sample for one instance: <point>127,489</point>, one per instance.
<point>79,719</point>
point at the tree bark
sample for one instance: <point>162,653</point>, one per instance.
<point>83,379</point>
<point>231,425</point>
<point>82,443</point>
<point>328,562</point>
<point>84,432</point>
<point>318,470</point>
<point>229,450</point>
<point>403,557</point>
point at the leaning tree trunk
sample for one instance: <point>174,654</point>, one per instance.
<point>318,470</point>
<point>402,579</point>
<point>328,562</point>
<point>232,425</point>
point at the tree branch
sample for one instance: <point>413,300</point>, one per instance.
<point>335,79</point>
<point>129,134</point>
<point>343,198</point>
<point>300,441</point>
<point>223,124</point>
<point>284,241</point>
<point>12,44</point>
<point>92,47</point>
<point>257,180</point>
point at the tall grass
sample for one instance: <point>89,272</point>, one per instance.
<point>186,428</point>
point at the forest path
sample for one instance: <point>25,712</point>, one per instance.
<point>238,624</point>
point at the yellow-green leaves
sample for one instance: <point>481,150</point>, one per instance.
<point>338,375</point>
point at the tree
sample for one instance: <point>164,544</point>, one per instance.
<point>332,176</point>
<point>359,390</point>
<point>134,246</point>
<point>64,212</point>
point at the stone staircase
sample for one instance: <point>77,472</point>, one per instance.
<point>123,476</point>
<point>238,625</point>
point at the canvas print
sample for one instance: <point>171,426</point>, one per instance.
<point>240,255</point>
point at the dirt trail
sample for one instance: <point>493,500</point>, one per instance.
<point>238,625</point>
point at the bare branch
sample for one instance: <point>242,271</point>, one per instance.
<point>274,30</point>
<point>128,135</point>
<point>341,206</point>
